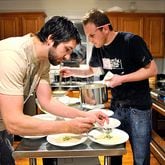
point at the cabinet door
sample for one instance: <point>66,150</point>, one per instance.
<point>9,26</point>
<point>20,23</point>
<point>155,34</point>
<point>32,23</point>
<point>133,24</point>
<point>114,21</point>
<point>150,26</point>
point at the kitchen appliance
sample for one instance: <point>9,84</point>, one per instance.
<point>158,124</point>
<point>160,90</point>
<point>161,95</point>
<point>93,95</point>
<point>161,81</point>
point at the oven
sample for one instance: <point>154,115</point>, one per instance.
<point>158,124</point>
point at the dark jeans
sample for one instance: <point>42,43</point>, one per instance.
<point>138,124</point>
<point>6,149</point>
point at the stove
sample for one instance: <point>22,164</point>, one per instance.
<point>158,124</point>
<point>159,94</point>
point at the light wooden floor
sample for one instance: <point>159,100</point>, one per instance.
<point>127,158</point>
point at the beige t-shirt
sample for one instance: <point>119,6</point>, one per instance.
<point>20,71</point>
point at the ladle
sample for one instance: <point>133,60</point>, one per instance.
<point>60,78</point>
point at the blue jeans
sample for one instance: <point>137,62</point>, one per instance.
<point>138,124</point>
<point>6,149</point>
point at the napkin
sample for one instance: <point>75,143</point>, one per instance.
<point>107,77</point>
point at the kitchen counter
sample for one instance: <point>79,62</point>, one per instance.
<point>34,148</point>
<point>40,148</point>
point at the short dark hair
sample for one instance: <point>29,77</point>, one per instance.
<point>61,29</point>
<point>98,17</point>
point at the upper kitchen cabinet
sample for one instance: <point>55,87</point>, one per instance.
<point>127,22</point>
<point>150,26</point>
<point>154,33</point>
<point>113,17</point>
<point>132,24</point>
<point>9,26</point>
<point>20,23</point>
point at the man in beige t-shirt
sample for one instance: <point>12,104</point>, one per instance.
<point>24,68</point>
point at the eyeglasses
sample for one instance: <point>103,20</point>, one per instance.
<point>97,28</point>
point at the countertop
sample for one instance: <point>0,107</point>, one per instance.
<point>41,148</point>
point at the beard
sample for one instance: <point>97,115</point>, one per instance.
<point>52,59</point>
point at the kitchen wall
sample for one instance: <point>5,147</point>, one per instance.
<point>75,9</point>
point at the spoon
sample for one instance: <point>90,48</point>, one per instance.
<point>60,78</point>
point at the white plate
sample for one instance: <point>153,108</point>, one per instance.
<point>69,100</point>
<point>58,139</point>
<point>89,106</point>
<point>33,137</point>
<point>106,111</point>
<point>118,137</point>
<point>43,117</point>
<point>113,123</point>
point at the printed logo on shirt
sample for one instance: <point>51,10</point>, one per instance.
<point>112,63</point>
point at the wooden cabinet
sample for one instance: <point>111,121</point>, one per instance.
<point>132,24</point>
<point>150,26</point>
<point>154,34</point>
<point>113,17</point>
<point>9,26</point>
<point>127,22</point>
<point>20,23</point>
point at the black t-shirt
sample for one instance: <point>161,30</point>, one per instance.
<point>126,54</point>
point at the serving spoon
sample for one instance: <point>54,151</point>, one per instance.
<point>60,78</point>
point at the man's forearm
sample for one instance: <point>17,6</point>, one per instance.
<point>81,72</point>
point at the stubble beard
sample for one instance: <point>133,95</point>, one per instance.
<point>52,59</point>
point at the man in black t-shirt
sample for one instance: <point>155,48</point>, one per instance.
<point>128,58</point>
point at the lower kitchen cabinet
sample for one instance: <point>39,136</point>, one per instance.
<point>158,132</point>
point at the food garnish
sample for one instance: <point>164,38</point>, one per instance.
<point>66,138</point>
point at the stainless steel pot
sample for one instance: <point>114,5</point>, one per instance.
<point>93,94</point>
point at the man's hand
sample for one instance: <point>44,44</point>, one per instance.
<point>80,125</point>
<point>99,117</point>
<point>66,72</point>
<point>115,81</point>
